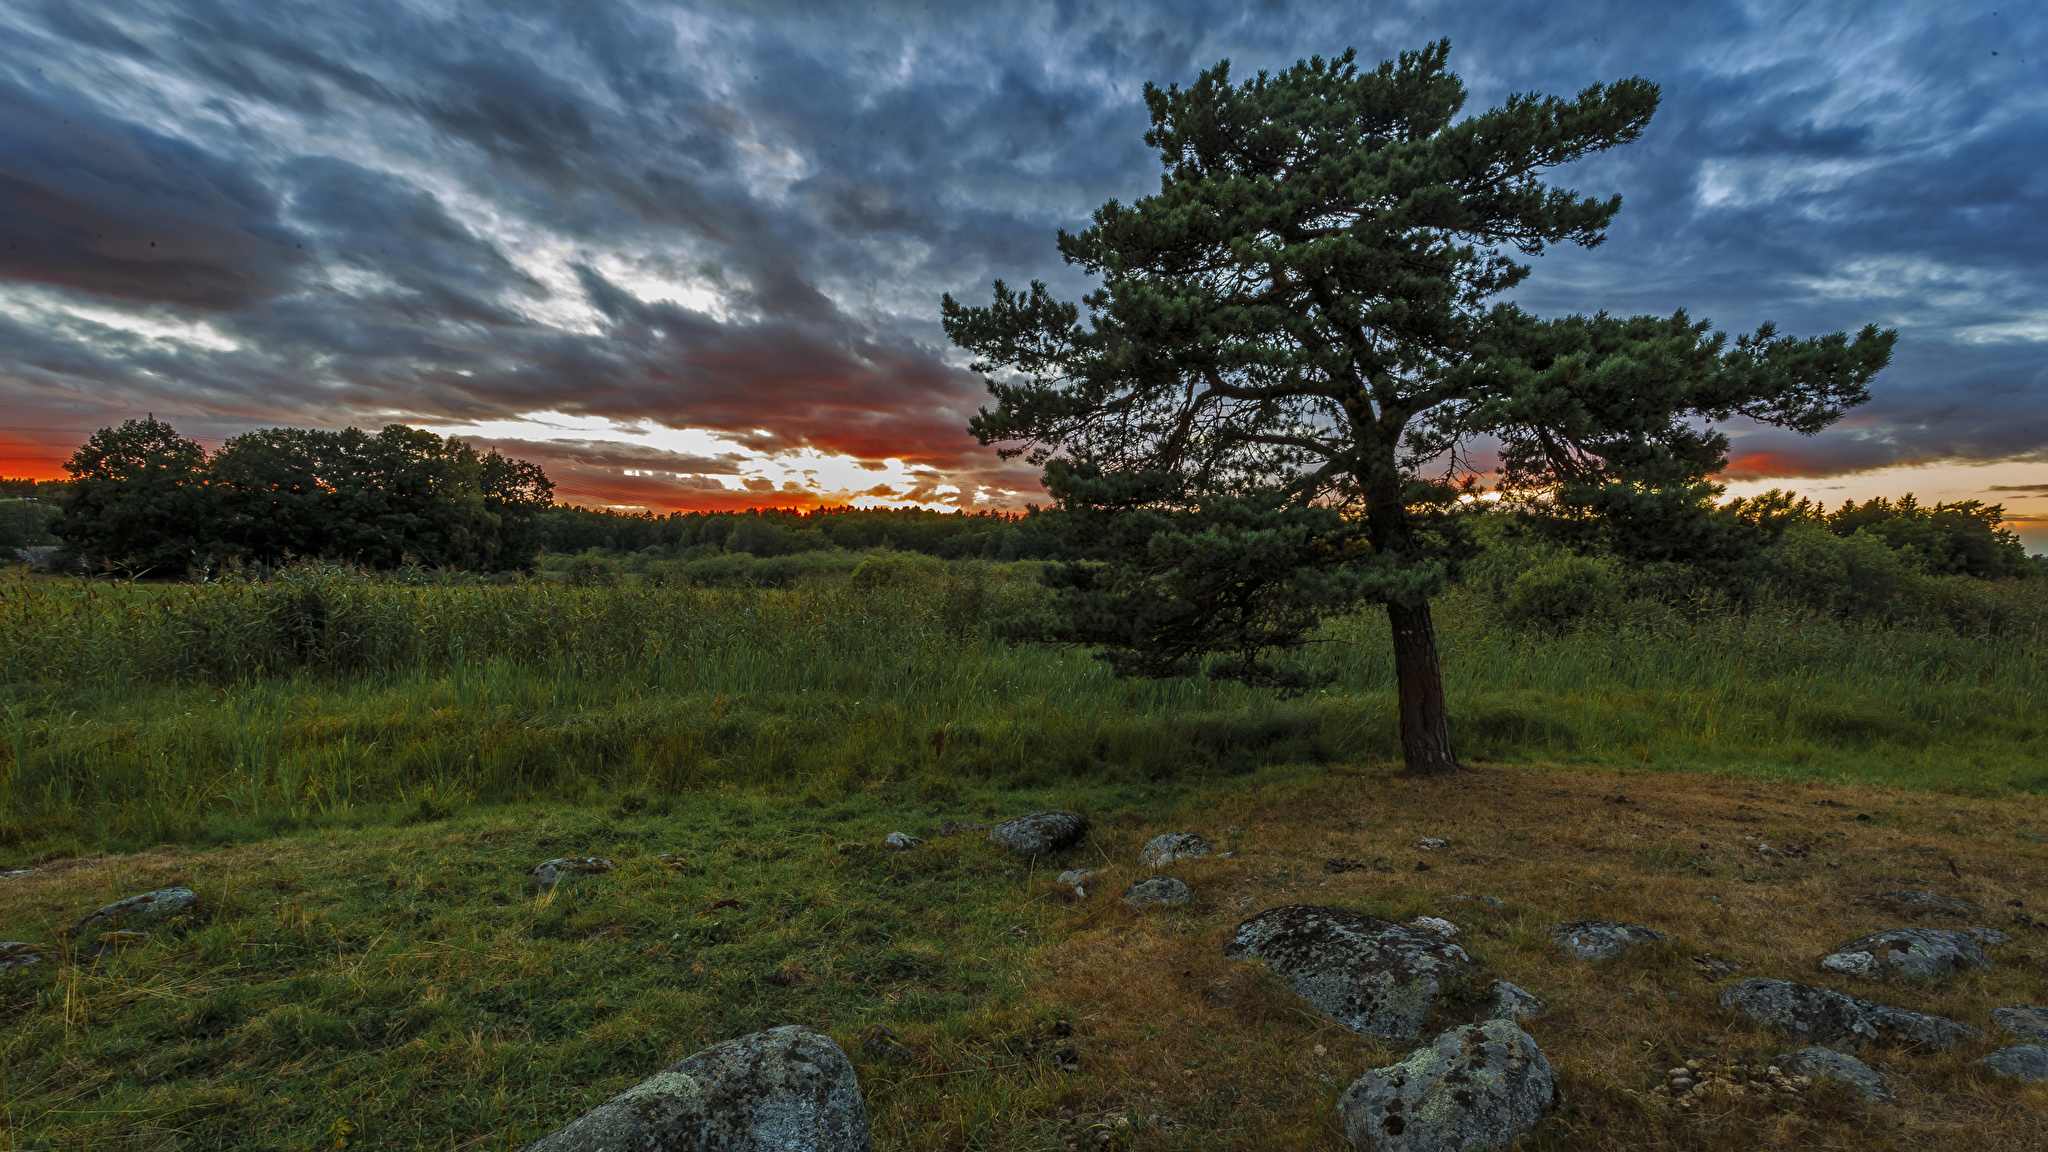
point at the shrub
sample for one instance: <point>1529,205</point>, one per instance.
<point>889,569</point>
<point>1560,591</point>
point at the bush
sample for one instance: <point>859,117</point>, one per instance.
<point>889,569</point>
<point>1560,591</point>
<point>591,570</point>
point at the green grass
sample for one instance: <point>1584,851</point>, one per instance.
<point>136,715</point>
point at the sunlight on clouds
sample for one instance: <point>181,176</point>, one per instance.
<point>46,309</point>
<point>2024,484</point>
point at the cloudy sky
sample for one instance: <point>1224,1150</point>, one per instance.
<point>691,255</point>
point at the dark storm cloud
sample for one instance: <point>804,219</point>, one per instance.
<point>738,218</point>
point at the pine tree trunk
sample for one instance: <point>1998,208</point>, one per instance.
<point>1425,721</point>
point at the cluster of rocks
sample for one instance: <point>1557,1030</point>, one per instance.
<point>1694,1083</point>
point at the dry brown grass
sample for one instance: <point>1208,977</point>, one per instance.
<point>1231,1059</point>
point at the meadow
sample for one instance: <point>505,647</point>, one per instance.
<point>143,714</point>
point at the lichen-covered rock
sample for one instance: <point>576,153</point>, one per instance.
<point>1157,890</point>
<point>1908,954</point>
<point>1916,902</point>
<point>1371,975</point>
<point>900,842</point>
<point>2021,1061</point>
<point>788,1089</point>
<point>1805,1012</point>
<point>1826,1063</point>
<point>140,911</point>
<point>1168,847</point>
<point>2027,1021</point>
<point>1477,1087</point>
<point>549,873</point>
<point>1436,924</point>
<point>1602,939</point>
<point>1513,1003</point>
<point>1040,833</point>
<point>1987,937</point>
<point>15,954</point>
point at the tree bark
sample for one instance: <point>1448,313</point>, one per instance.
<point>1425,719</point>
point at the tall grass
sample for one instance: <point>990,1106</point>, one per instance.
<point>135,714</point>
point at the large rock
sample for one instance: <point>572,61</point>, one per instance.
<point>1602,939</point>
<point>1371,975</point>
<point>787,1089</point>
<point>1828,1064</point>
<point>1908,954</point>
<point>549,873</point>
<point>1480,1086</point>
<point>140,911</point>
<point>1805,1012</point>
<point>1157,890</point>
<point>2028,1022</point>
<point>2021,1061</point>
<point>1040,833</point>
<point>1168,847</point>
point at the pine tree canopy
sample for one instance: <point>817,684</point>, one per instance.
<point>1298,339</point>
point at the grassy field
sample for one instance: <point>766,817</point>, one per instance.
<point>404,987</point>
<point>137,715</point>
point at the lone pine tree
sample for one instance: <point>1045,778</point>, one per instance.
<point>1297,340</point>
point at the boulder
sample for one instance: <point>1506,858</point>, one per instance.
<point>1602,939</point>
<point>1040,833</point>
<point>549,873</point>
<point>1165,849</point>
<point>140,911</point>
<point>1480,1086</point>
<point>1157,890</point>
<point>2027,1062</point>
<point>1513,1003</point>
<point>1826,1063</point>
<point>1373,976</point>
<point>900,842</point>
<point>2028,1022</point>
<point>1805,1012</point>
<point>1908,954</point>
<point>788,1089</point>
<point>1915,902</point>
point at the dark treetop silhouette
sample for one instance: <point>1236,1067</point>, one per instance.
<point>1304,321</point>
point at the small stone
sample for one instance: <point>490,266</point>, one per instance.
<point>1040,833</point>
<point>1429,843</point>
<point>1987,937</point>
<point>15,954</point>
<point>1513,1003</point>
<point>786,1088</point>
<point>140,911</point>
<point>849,848</point>
<point>1824,1016</point>
<point>1480,1086</point>
<point>1168,847</point>
<point>1072,877</point>
<point>549,873</point>
<point>1811,1064</point>
<point>900,842</point>
<point>1919,954</point>
<point>2027,1021</point>
<point>1602,939</point>
<point>1916,902</point>
<point>1443,928</point>
<point>1373,976</point>
<point>1157,890</point>
<point>2027,1062</point>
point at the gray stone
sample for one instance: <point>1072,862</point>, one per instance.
<point>900,842</point>
<point>1908,954</point>
<point>1073,877</point>
<point>2022,1061</point>
<point>2027,1021</point>
<point>1157,890</point>
<point>1828,1064</point>
<point>1513,1003</point>
<point>1371,975</point>
<point>1040,833</point>
<point>1436,924</point>
<point>1480,1086</point>
<point>140,911</point>
<point>1987,937</point>
<point>549,873</point>
<point>1915,902</point>
<point>1602,939</point>
<point>1165,849</point>
<point>788,1089</point>
<point>1805,1012</point>
<point>15,954</point>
